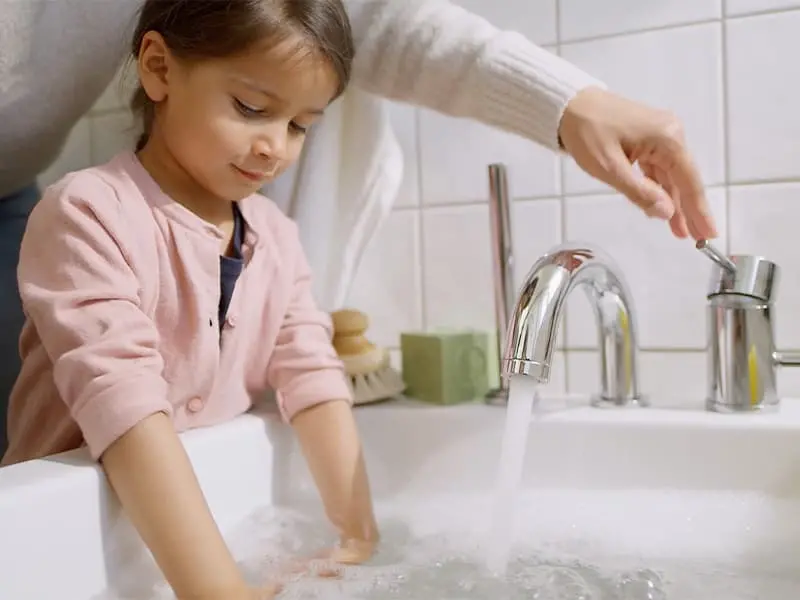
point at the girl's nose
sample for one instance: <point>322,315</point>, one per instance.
<point>272,143</point>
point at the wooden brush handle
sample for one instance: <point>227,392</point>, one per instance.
<point>349,327</point>
<point>351,345</point>
<point>349,322</point>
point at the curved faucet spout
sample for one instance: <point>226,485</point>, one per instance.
<point>534,324</point>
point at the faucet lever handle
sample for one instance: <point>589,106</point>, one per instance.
<point>718,257</point>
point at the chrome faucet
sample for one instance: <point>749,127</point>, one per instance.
<point>534,322</point>
<point>742,359</point>
<point>503,267</point>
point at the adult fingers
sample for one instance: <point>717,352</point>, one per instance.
<point>640,189</point>
<point>678,222</point>
<point>685,176</point>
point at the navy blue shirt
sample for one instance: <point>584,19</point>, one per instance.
<point>230,267</point>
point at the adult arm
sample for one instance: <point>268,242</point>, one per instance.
<point>81,293</point>
<point>435,54</point>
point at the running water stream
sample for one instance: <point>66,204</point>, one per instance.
<point>523,396</point>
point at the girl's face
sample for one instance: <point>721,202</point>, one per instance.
<point>235,124</point>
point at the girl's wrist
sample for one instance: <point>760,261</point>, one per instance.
<point>235,590</point>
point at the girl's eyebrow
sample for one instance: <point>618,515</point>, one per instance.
<point>254,85</point>
<point>251,83</point>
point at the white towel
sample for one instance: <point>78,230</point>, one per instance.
<point>342,190</point>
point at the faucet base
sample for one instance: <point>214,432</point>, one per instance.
<point>728,408</point>
<point>497,397</point>
<point>621,402</point>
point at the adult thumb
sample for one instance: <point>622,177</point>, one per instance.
<point>640,189</point>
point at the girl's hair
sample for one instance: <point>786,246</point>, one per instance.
<point>212,29</point>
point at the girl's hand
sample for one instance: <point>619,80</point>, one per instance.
<point>352,551</point>
<point>329,438</point>
<point>266,592</point>
<point>327,563</point>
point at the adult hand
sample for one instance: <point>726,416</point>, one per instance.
<point>606,134</point>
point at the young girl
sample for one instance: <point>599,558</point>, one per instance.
<point>163,293</point>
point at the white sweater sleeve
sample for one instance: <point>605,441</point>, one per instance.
<point>435,54</point>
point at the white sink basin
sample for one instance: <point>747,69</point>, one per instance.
<point>709,499</point>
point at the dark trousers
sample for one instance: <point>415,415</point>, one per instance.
<point>14,211</point>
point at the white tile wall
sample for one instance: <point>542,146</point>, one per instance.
<point>764,124</point>
<point>454,154</point>
<point>727,67</point>
<point>679,68</point>
<point>667,277</point>
<point>745,7</point>
<point>581,19</point>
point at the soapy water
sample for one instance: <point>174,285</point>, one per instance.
<point>577,545</point>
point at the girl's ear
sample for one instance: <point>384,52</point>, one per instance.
<point>154,65</point>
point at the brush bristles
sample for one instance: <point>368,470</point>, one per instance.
<point>382,384</point>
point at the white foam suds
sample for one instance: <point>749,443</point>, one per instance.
<point>576,545</point>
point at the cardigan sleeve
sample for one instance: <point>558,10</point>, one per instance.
<point>435,54</point>
<point>82,296</point>
<point>304,369</point>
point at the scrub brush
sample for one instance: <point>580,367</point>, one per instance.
<point>371,376</point>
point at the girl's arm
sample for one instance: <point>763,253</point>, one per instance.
<point>81,292</point>
<point>438,55</point>
<point>151,474</point>
<point>330,442</point>
<point>314,397</point>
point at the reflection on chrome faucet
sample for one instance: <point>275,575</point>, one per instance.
<point>531,336</point>
<point>742,358</point>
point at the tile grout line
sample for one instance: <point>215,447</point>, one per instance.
<point>765,181</point>
<point>596,193</point>
<point>562,207</point>
<point>480,202</point>
<point>668,27</point>
<point>643,350</point>
<point>726,122</point>
<point>630,32</point>
<point>759,13</point>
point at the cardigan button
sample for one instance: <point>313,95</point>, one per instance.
<point>195,404</point>
<point>231,320</point>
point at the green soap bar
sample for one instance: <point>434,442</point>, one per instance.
<point>487,343</point>
<point>445,367</point>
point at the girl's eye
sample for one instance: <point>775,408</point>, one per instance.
<point>245,110</point>
<point>251,112</point>
<point>299,129</point>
